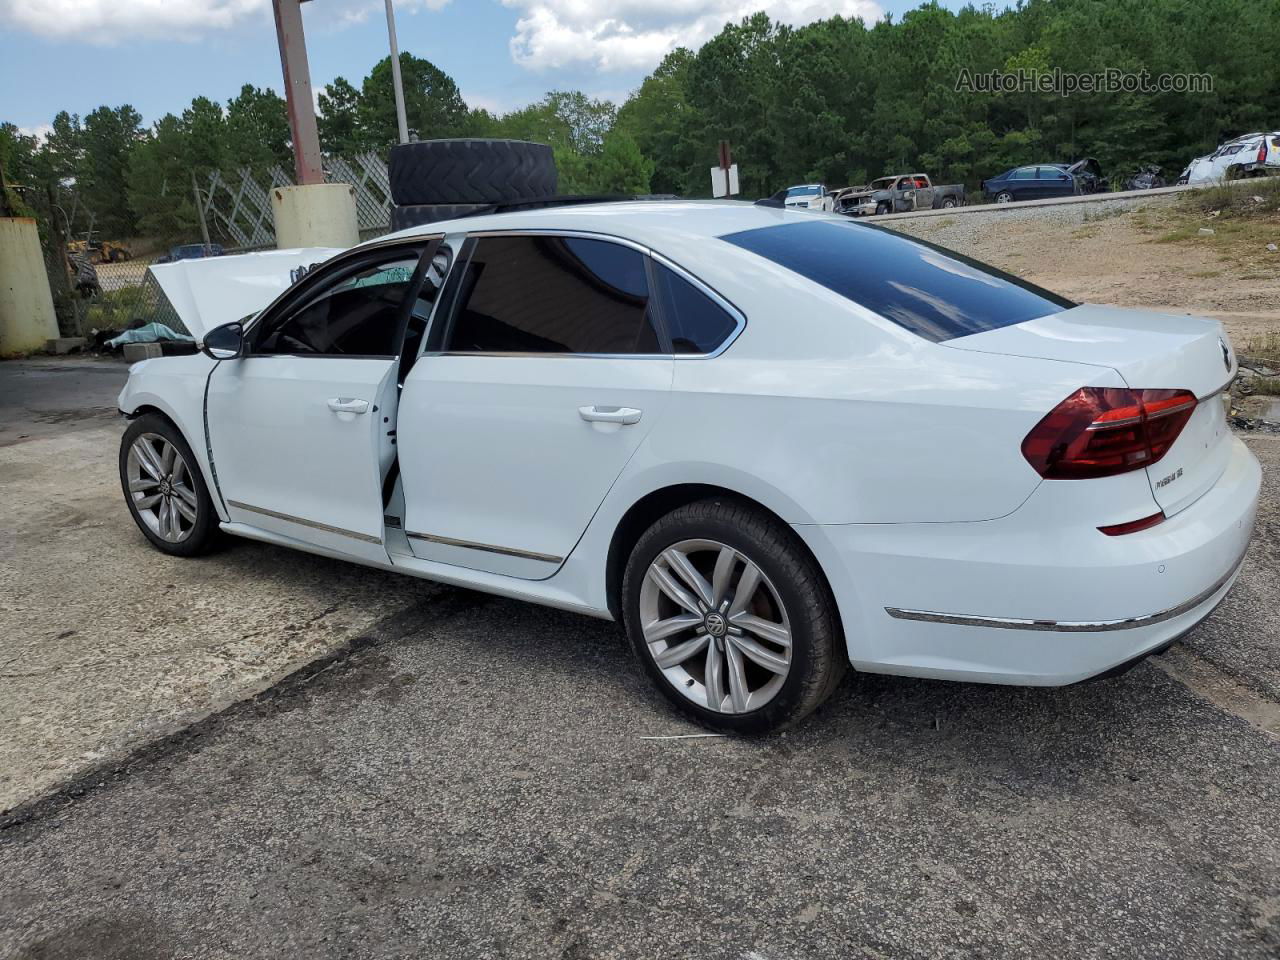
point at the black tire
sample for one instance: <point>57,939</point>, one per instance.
<point>882,209</point>
<point>1008,197</point>
<point>416,214</point>
<point>204,532</point>
<point>471,171</point>
<point>948,203</point>
<point>818,656</point>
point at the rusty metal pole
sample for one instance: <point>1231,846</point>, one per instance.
<point>297,92</point>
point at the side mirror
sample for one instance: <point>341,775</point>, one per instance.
<point>225,342</point>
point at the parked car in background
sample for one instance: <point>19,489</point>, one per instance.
<point>902,193</point>
<point>809,196</point>
<point>191,251</point>
<point>854,201</point>
<point>1036,181</point>
<point>1147,177</point>
<point>721,438</point>
<point>1087,173</point>
<point>1253,155</point>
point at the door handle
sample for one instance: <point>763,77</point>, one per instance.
<point>623,415</point>
<point>348,405</point>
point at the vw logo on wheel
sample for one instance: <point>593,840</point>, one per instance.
<point>716,624</point>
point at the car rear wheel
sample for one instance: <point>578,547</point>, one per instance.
<point>1004,196</point>
<point>731,618</point>
<point>948,202</point>
<point>882,208</point>
<point>164,488</point>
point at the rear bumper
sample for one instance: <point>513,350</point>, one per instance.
<point>1034,598</point>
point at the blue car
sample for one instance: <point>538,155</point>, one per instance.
<point>190,251</point>
<point>1040,180</point>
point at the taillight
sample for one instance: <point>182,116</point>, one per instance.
<point>1262,151</point>
<point>1102,431</point>
<point>1133,526</point>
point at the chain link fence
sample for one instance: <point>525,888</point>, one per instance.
<point>101,288</point>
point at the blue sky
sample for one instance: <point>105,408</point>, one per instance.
<point>158,54</point>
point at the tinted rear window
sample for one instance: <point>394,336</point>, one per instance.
<point>933,292</point>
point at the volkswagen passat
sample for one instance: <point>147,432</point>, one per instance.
<point>770,443</point>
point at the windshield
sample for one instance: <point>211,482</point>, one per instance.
<point>807,191</point>
<point>884,183</point>
<point>931,291</point>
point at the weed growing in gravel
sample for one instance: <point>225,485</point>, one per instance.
<point>1235,199</point>
<point>1263,346</point>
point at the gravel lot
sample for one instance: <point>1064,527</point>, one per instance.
<point>1123,252</point>
<point>262,753</point>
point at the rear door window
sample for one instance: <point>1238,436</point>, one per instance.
<point>694,321</point>
<point>553,294</point>
<point>931,291</point>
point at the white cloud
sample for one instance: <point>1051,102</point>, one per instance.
<point>40,131</point>
<point>110,21</point>
<point>636,34</point>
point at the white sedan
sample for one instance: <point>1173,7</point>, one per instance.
<point>770,443</point>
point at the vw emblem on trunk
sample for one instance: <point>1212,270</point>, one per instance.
<point>1226,352</point>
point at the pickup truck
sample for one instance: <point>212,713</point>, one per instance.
<point>899,194</point>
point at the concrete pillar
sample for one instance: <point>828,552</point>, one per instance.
<point>315,215</point>
<point>27,320</point>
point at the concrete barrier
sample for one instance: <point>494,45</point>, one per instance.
<point>27,320</point>
<point>315,215</point>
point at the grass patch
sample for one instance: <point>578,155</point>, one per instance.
<point>1270,386</point>
<point>1108,212</point>
<point>1263,345</point>
<point>1235,199</point>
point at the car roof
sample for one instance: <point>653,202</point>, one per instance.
<point>653,223</point>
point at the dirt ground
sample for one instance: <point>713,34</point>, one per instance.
<point>1145,254</point>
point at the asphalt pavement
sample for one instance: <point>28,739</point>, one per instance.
<point>50,396</point>
<point>468,776</point>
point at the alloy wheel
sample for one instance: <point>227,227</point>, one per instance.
<point>161,488</point>
<point>715,626</point>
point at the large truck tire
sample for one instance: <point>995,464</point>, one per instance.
<point>471,171</point>
<point>416,214</point>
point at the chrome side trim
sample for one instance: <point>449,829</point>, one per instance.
<point>486,547</point>
<point>1067,626</point>
<point>313,524</point>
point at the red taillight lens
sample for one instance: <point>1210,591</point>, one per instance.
<point>1262,151</point>
<point>1133,526</point>
<point>1102,431</point>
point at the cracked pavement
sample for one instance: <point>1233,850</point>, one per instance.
<point>459,775</point>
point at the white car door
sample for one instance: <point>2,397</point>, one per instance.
<point>545,368</point>
<point>301,426</point>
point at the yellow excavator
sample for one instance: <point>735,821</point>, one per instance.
<point>99,251</point>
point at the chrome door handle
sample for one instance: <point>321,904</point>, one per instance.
<point>348,405</point>
<point>610,414</point>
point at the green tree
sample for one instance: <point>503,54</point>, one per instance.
<point>257,128</point>
<point>108,137</point>
<point>433,105</point>
<point>159,182</point>
<point>339,119</point>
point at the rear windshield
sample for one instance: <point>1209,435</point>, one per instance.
<point>802,191</point>
<point>924,288</point>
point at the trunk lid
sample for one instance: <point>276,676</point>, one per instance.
<point>1150,351</point>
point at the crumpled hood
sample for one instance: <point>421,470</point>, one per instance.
<point>212,291</point>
